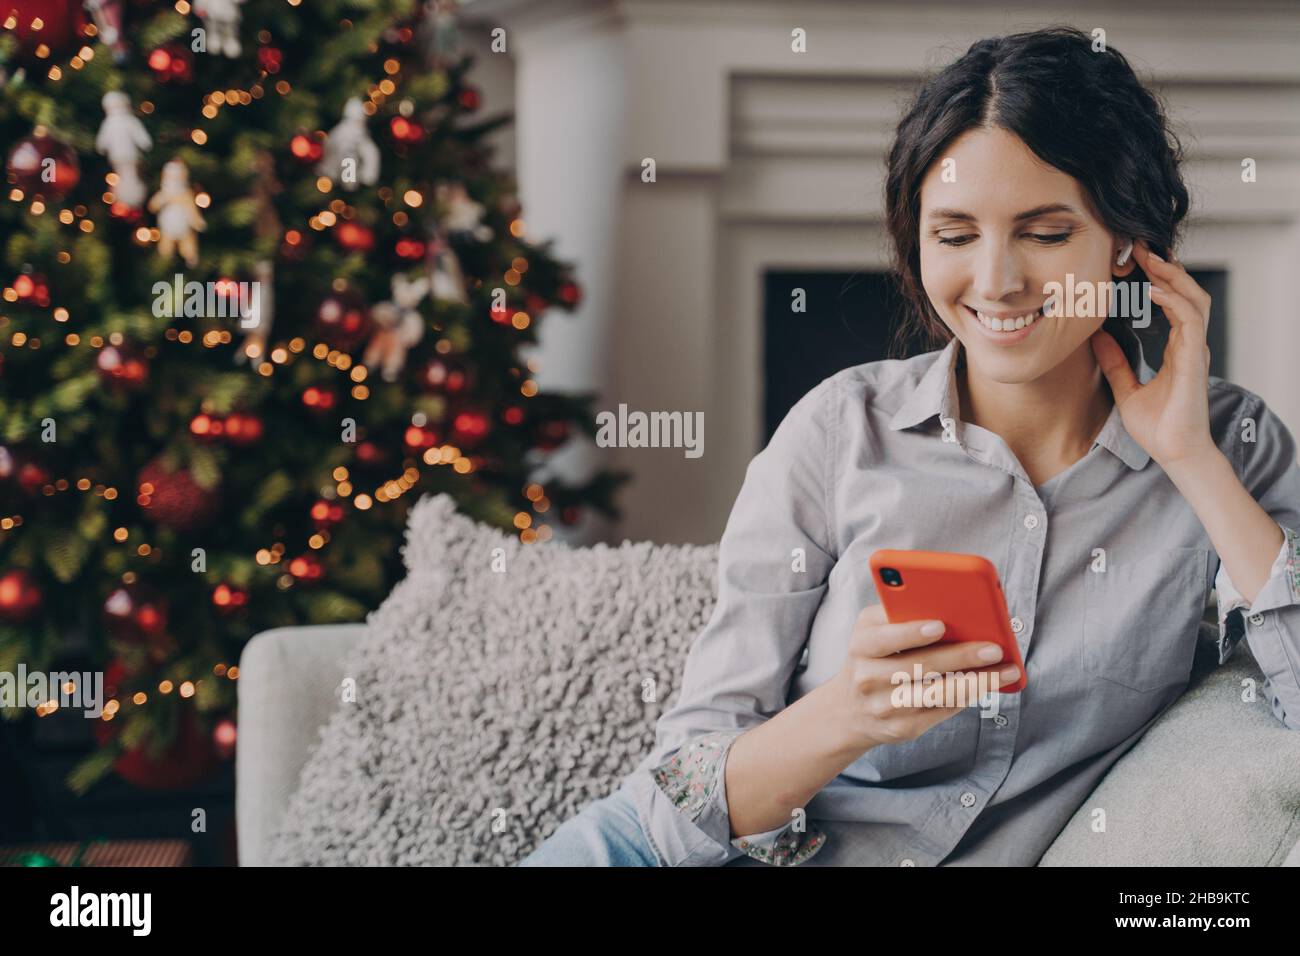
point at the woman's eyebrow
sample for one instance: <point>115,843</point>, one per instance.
<point>1043,210</point>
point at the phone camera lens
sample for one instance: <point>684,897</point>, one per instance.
<point>891,577</point>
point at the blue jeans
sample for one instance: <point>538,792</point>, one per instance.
<point>606,833</point>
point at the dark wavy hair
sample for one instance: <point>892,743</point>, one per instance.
<point>1085,113</point>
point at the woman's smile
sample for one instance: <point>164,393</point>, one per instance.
<point>1002,326</point>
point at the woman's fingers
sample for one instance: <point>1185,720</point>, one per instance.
<point>1173,277</point>
<point>1181,312</point>
<point>1114,365</point>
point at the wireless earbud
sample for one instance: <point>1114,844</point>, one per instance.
<point>1125,251</point>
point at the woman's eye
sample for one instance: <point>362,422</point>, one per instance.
<point>954,240</point>
<point>1049,239</point>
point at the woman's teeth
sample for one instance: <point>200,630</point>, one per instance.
<point>1008,325</point>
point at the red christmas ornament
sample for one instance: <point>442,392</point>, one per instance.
<point>172,62</point>
<point>205,427</point>
<point>342,320</point>
<point>370,454</point>
<point>469,98</point>
<point>308,148</point>
<point>570,293</point>
<point>41,165</point>
<point>224,735</point>
<point>552,434</point>
<point>405,130</point>
<point>19,468</point>
<point>306,567</point>
<point>135,614</point>
<point>319,399</point>
<point>295,246</point>
<point>122,367</point>
<point>417,438</point>
<point>175,499</point>
<point>444,376</point>
<point>270,58</point>
<point>127,214</point>
<point>501,314</point>
<point>20,597</point>
<point>469,427</point>
<point>355,237</point>
<point>243,429</point>
<point>31,287</point>
<point>188,760</point>
<point>514,415</point>
<point>228,599</point>
<point>326,514</point>
<point>45,28</point>
<point>534,304</point>
<point>410,249</point>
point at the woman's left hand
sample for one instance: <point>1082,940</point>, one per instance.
<point>1169,416</point>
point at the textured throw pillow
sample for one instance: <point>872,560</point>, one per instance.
<point>492,705</point>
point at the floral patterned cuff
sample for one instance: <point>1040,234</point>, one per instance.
<point>692,778</point>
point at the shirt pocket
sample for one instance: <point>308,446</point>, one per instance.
<point>1141,620</point>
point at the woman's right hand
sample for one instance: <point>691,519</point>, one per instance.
<point>878,650</point>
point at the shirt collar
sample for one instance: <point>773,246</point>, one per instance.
<point>936,394</point>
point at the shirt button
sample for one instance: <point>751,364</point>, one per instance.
<point>907,862</point>
<point>1257,619</point>
<point>968,799</point>
<point>1031,522</point>
<point>999,720</point>
<point>1017,625</point>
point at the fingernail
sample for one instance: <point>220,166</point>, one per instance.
<point>1156,290</point>
<point>932,628</point>
<point>1154,256</point>
<point>1009,673</point>
<point>990,653</point>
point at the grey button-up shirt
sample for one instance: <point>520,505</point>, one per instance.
<point>1105,566</point>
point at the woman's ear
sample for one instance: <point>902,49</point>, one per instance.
<point>1124,263</point>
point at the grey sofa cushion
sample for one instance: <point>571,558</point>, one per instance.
<point>493,705</point>
<point>1216,780</point>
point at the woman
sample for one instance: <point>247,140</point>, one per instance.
<point>1111,499</point>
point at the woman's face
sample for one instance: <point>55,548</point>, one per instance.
<point>997,225</point>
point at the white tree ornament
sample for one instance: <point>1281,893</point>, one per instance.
<point>399,326</point>
<point>123,139</point>
<point>221,20</point>
<point>351,156</point>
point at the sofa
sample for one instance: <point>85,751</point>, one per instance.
<point>1217,783</point>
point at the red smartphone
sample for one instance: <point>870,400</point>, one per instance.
<point>962,590</point>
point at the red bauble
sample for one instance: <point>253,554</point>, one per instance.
<point>370,454</point>
<point>19,467</point>
<point>470,98</point>
<point>410,249</point>
<point>306,567</point>
<point>270,58</point>
<point>172,62</point>
<point>136,614</point>
<point>342,320</point>
<point>552,434</point>
<point>406,130</point>
<point>355,237</point>
<point>502,315</point>
<point>326,514</point>
<point>570,293</point>
<point>242,429</point>
<point>308,148</point>
<point>20,596</point>
<point>228,599</point>
<point>61,25</point>
<point>513,415</point>
<point>469,426</point>
<point>446,376</point>
<point>42,166</point>
<point>188,760</point>
<point>175,499</point>
<point>224,736</point>
<point>417,438</point>
<point>122,367</point>
<point>319,400</point>
<point>32,288</point>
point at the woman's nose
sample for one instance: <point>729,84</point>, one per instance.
<point>998,273</point>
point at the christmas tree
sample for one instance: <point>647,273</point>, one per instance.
<point>262,289</point>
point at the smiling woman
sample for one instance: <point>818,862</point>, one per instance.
<point>1110,498</point>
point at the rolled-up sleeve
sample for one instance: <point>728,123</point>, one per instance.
<point>1268,469</point>
<point>774,559</point>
